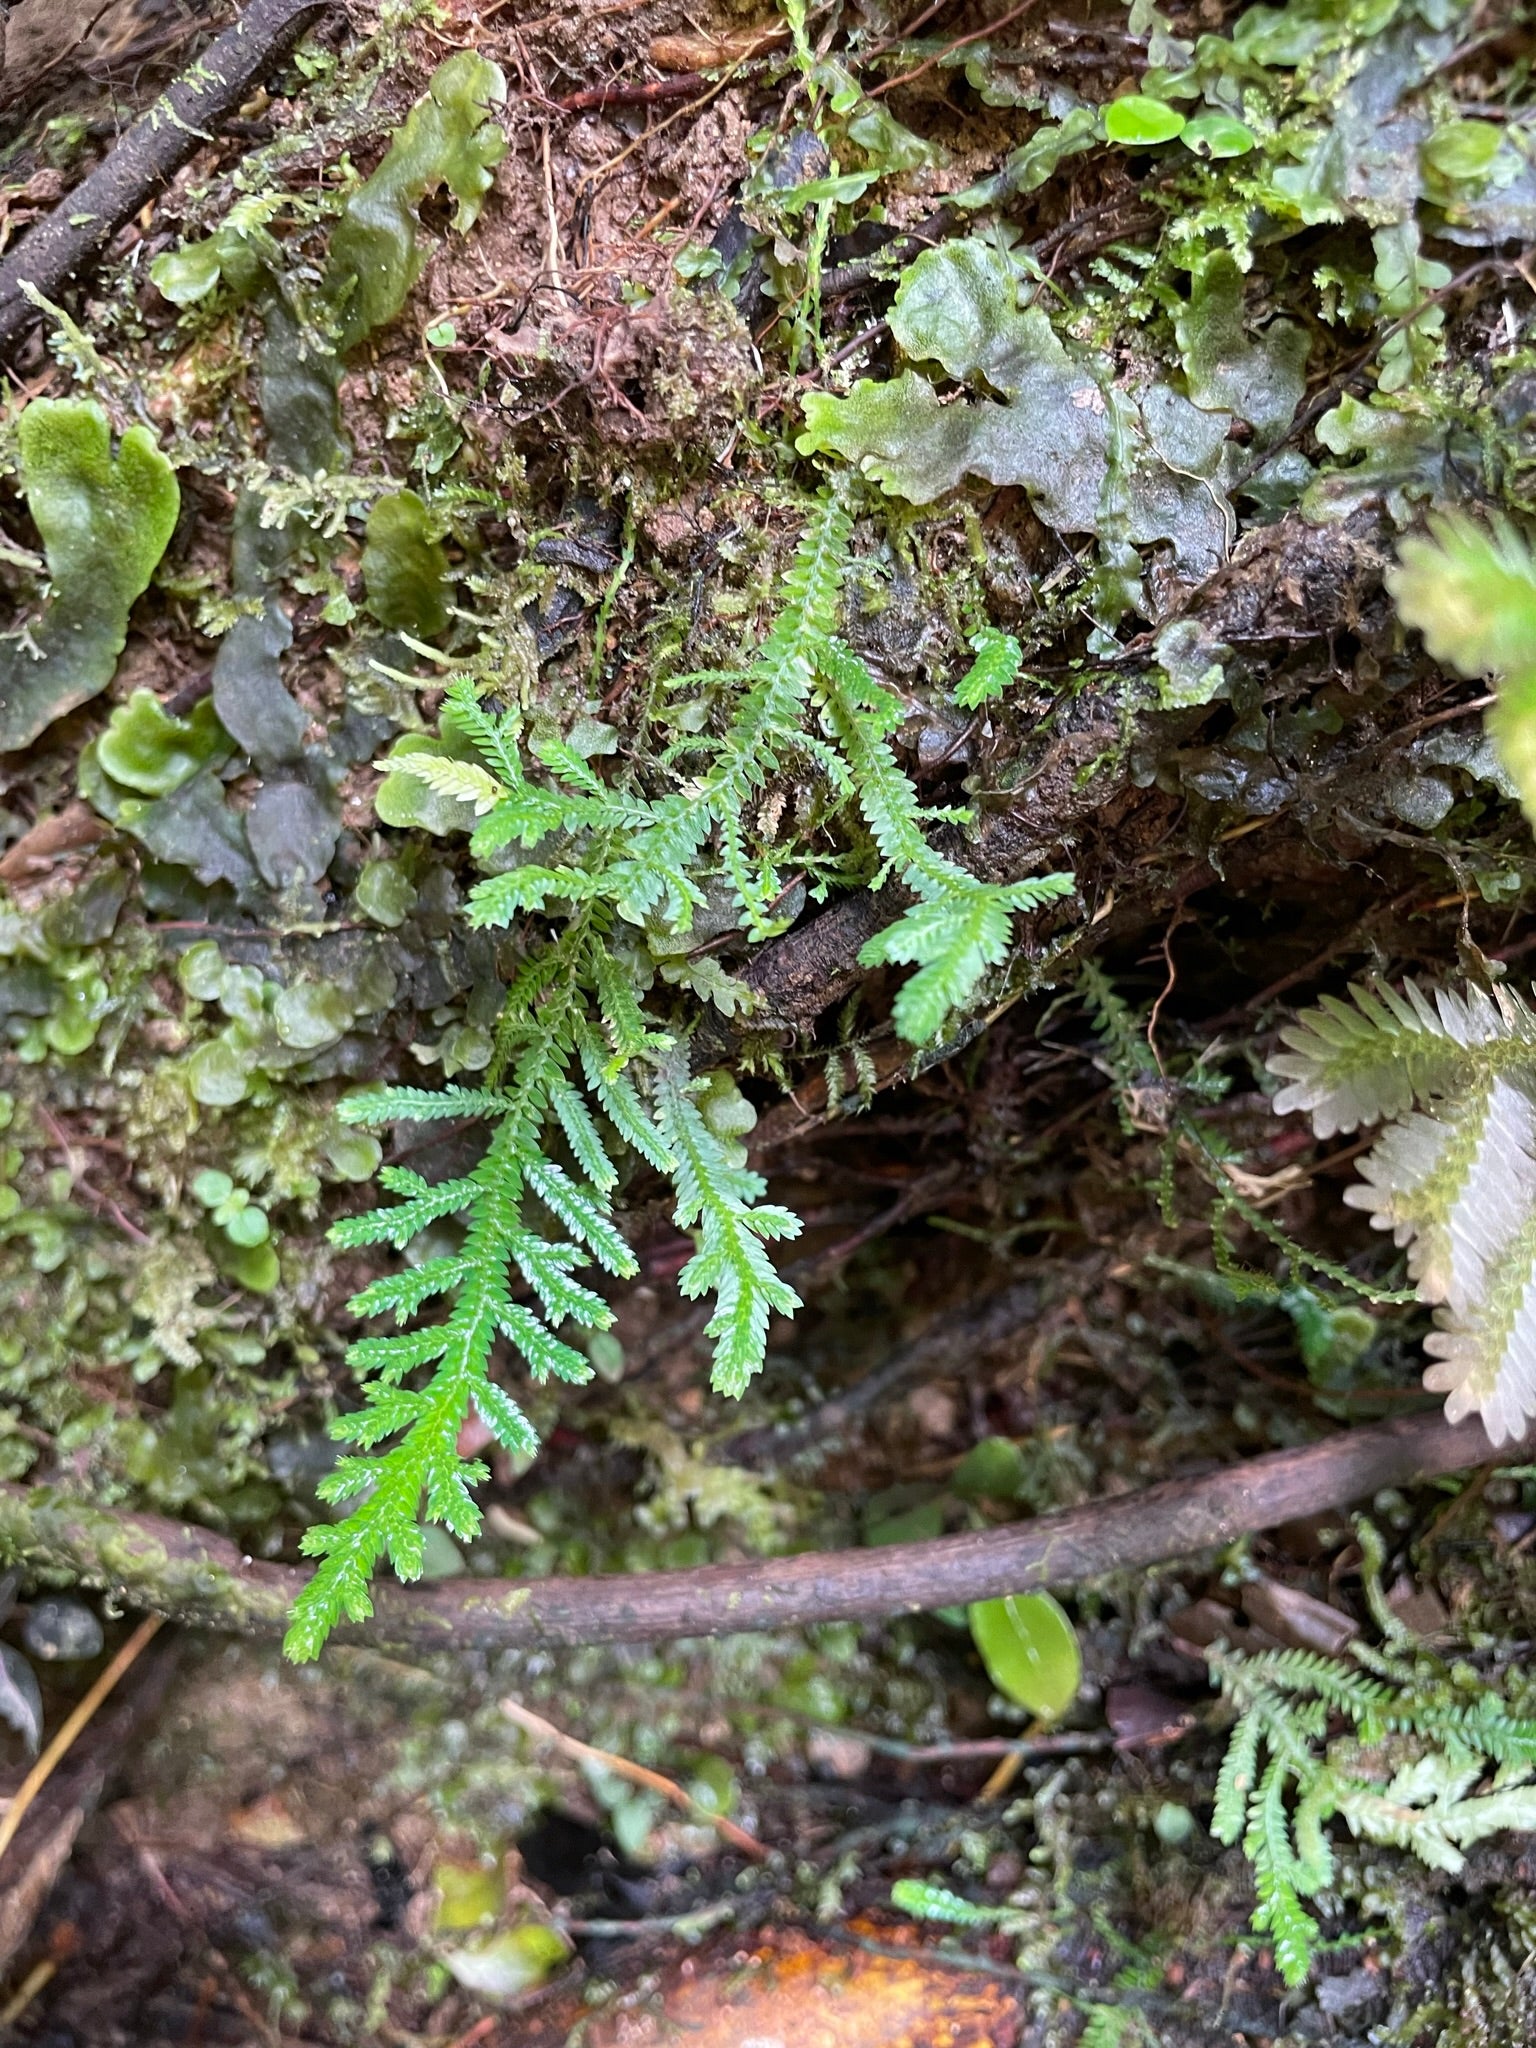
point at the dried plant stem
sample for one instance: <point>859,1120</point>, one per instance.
<point>634,1774</point>
<point>61,1744</point>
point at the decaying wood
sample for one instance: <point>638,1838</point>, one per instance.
<point>196,1577</point>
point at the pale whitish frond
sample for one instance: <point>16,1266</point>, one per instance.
<point>1455,1187</point>
<point>1487,1353</point>
<point>1374,1057</point>
<point>1455,1181</point>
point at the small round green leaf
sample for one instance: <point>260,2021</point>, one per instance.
<point>216,1076</point>
<point>990,1470</point>
<point>247,1227</point>
<point>311,1014</point>
<point>201,971</point>
<point>385,893</point>
<point>253,1267</point>
<point>1213,135</point>
<point>1137,121</point>
<point>212,1187</point>
<point>353,1155</point>
<point>1463,151</point>
<point>1030,1650</point>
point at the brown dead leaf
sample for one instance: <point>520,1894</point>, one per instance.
<point>266,1824</point>
<point>50,838</point>
<point>1296,1619</point>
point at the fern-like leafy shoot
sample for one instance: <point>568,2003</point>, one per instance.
<point>1453,1177</point>
<point>579,867</point>
<point>1423,1743</point>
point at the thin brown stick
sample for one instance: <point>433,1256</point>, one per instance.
<point>634,1774</point>
<point>977,35</point>
<point>197,1577</point>
<point>154,149</point>
<point>593,97</point>
<point>61,1744</point>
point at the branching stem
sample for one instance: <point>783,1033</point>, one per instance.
<point>202,1579</point>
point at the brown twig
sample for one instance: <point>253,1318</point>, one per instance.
<point>976,36</point>
<point>154,149</point>
<point>56,1751</point>
<point>201,1578</point>
<point>593,97</point>
<point>634,1774</point>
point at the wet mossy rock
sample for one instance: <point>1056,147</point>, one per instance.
<point>105,520</point>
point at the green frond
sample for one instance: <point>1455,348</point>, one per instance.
<point>632,1032</point>
<point>583,1136</point>
<point>547,1357</point>
<point>1279,1913</point>
<point>419,1105</point>
<point>1314,1853</point>
<point>585,1215</point>
<point>1237,1778</point>
<point>619,1100</point>
<point>859,715</point>
<point>768,712</point>
<point>494,903</point>
<point>547,1267</point>
<point>563,760</point>
<point>1430,1805</point>
<point>952,939</point>
<point>587,862</point>
<point>723,1198</point>
<point>999,657</point>
<point>403,1294</point>
<point>426,1203</point>
<point>496,739</point>
<point>1471,591</point>
<point>392,1357</point>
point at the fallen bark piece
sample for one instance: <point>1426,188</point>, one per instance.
<point>193,1576</point>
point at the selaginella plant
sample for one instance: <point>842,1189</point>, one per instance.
<point>587,1073</point>
<point>1412,1754</point>
<point>1453,1176</point>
